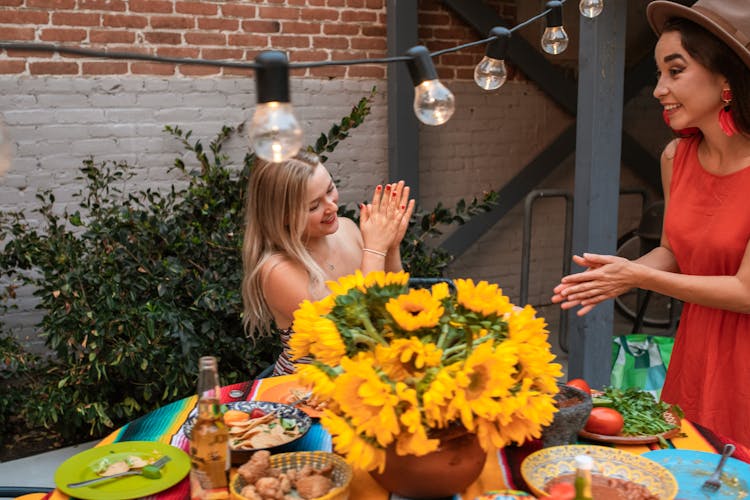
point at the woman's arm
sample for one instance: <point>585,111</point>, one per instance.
<point>570,292</point>
<point>285,286</point>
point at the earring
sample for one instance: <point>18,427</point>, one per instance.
<point>726,121</point>
<point>683,132</point>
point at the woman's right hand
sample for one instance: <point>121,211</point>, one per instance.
<point>605,277</point>
<point>383,222</point>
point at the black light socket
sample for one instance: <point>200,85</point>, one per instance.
<point>498,49</point>
<point>421,67</point>
<point>272,77</point>
<point>554,16</point>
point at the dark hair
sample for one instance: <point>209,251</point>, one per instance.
<point>715,55</point>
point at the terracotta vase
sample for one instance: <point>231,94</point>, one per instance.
<point>445,472</point>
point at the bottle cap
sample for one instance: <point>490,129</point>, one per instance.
<point>584,462</point>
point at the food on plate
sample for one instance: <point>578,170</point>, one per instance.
<point>261,430</point>
<point>109,466</point>
<point>263,482</point>
<point>233,416</point>
<point>607,421</point>
<point>610,488</point>
<point>304,398</point>
<point>579,383</point>
<point>642,414</point>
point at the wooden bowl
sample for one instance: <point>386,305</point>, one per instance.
<point>341,475</point>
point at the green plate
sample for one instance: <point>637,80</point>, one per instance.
<point>80,467</point>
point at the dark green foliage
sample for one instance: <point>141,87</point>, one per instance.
<point>135,286</point>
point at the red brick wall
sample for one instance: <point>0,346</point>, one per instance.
<point>311,30</point>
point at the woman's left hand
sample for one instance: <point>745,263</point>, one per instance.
<point>606,277</point>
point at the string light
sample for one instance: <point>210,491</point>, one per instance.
<point>591,8</point>
<point>275,133</point>
<point>490,73</point>
<point>434,104</point>
<point>554,39</point>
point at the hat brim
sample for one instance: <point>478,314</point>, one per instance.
<point>659,12</point>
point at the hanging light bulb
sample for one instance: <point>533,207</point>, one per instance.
<point>5,148</point>
<point>434,104</point>
<point>591,8</point>
<point>275,133</point>
<point>490,73</point>
<point>555,39</point>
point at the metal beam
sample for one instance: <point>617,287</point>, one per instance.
<point>513,192</point>
<point>601,62</point>
<point>403,127</point>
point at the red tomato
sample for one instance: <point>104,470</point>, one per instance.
<point>607,421</point>
<point>579,383</point>
<point>257,413</point>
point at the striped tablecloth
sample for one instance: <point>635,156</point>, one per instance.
<point>501,470</point>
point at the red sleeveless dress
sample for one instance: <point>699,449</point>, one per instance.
<point>707,224</point>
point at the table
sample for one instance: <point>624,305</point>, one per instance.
<point>501,470</point>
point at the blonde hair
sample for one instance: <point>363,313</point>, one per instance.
<point>275,219</point>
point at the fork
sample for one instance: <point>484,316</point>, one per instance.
<point>150,471</point>
<point>713,483</point>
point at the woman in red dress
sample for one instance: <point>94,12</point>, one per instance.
<point>703,61</point>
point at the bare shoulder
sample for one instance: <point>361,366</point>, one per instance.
<point>670,150</point>
<point>280,272</point>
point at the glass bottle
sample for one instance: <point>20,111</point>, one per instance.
<point>582,483</point>
<point>209,439</point>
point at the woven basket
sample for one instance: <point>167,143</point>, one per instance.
<point>341,475</point>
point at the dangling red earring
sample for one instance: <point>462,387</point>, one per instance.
<point>683,132</point>
<point>726,121</point>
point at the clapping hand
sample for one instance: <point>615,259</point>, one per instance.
<point>605,277</point>
<point>383,222</point>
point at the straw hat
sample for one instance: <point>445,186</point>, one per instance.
<point>727,19</point>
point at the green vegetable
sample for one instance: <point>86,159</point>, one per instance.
<point>601,401</point>
<point>288,423</point>
<point>643,415</point>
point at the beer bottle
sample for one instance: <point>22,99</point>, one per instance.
<point>582,483</point>
<point>209,440</point>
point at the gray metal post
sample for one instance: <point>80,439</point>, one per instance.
<point>597,176</point>
<point>403,127</point>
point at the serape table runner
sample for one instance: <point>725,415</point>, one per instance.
<point>501,471</point>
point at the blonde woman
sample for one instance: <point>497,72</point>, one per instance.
<point>295,241</point>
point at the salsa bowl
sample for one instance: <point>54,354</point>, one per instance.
<point>548,463</point>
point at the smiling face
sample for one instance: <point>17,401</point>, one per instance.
<point>322,204</point>
<point>688,91</point>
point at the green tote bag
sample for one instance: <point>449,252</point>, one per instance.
<point>640,360</point>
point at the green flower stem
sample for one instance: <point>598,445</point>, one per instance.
<point>371,331</point>
<point>457,351</point>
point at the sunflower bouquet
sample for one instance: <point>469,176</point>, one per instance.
<point>396,364</point>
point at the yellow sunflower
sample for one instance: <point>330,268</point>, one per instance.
<point>486,376</point>
<point>358,451</point>
<point>369,403</point>
<point>415,310</point>
<point>482,298</point>
<point>407,357</point>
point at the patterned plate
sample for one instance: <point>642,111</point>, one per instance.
<point>284,411</point>
<point>546,464</point>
